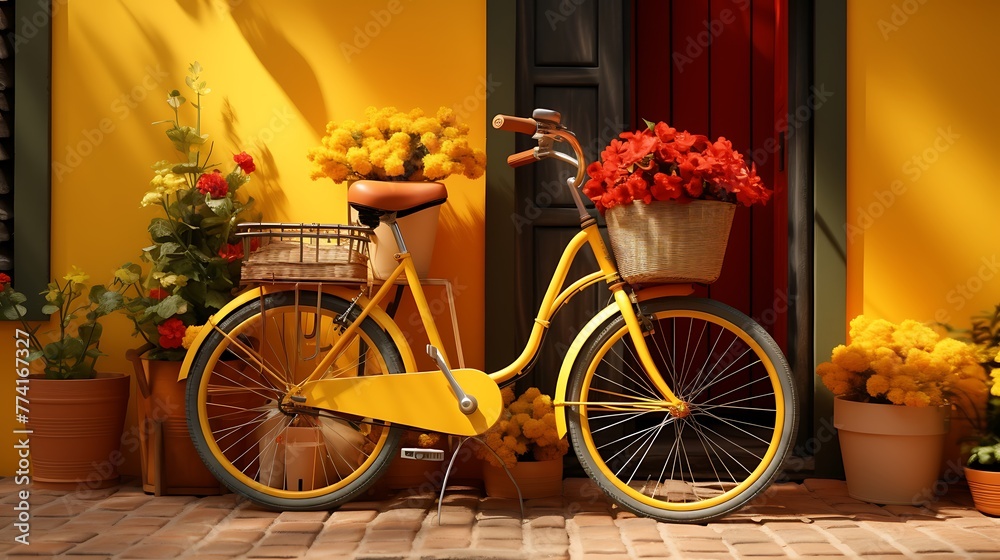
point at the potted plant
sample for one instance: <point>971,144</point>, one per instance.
<point>392,145</point>
<point>894,384</point>
<point>525,441</point>
<point>75,414</point>
<point>194,259</point>
<point>669,197</point>
<point>982,472</point>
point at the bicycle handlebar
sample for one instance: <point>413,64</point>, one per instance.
<point>522,158</point>
<point>515,124</point>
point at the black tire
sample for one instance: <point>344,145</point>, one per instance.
<point>240,432</point>
<point>744,432</point>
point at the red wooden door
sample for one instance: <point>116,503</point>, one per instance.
<point>720,68</point>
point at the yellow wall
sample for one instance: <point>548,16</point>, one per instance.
<point>923,191</point>
<point>282,70</point>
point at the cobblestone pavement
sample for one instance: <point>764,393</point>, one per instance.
<point>815,519</point>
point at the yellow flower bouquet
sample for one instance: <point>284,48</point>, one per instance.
<point>391,145</point>
<point>526,430</point>
<point>906,364</point>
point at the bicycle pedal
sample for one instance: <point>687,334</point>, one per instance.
<point>421,454</point>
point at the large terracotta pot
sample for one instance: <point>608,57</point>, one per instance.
<point>892,454</point>
<point>76,431</point>
<point>536,479</point>
<point>170,463</point>
<point>985,488</point>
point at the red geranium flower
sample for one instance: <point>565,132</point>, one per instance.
<point>158,293</point>
<point>662,163</point>
<point>171,333</point>
<point>231,251</point>
<point>4,281</point>
<point>213,184</point>
<point>245,161</point>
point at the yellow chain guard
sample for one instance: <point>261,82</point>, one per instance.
<point>422,400</point>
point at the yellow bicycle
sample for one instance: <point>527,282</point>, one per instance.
<point>680,408</point>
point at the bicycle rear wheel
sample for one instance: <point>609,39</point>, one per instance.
<point>287,458</point>
<point>692,468</point>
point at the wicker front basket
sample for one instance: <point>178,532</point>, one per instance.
<point>291,252</point>
<point>670,242</point>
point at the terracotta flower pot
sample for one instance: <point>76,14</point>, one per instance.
<point>76,429</point>
<point>170,463</point>
<point>892,454</point>
<point>536,479</point>
<point>985,488</point>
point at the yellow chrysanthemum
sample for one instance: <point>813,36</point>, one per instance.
<point>190,334</point>
<point>152,198</point>
<point>850,358</point>
<point>76,276</point>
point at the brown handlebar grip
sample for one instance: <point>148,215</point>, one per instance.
<point>515,124</point>
<point>522,158</point>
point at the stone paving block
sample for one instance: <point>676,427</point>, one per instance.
<point>40,549</point>
<point>153,551</point>
<point>552,550</point>
<point>245,524</point>
<point>391,535</point>
<point>759,549</point>
<point>742,536</point>
<point>61,508</point>
<point>158,509</point>
<point>795,536</point>
<point>237,535</point>
<point>225,548</point>
<point>497,521</point>
<point>203,515</point>
<point>868,546</point>
<point>446,543</point>
<point>690,545</point>
<point>297,527</point>
<point>41,524</point>
<point>333,549</point>
<point>497,544</point>
<point>499,533</point>
<point>65,536</point>
<point>549,536</point>
<point>151,523</point>
<point>106,544</point>
<point>603,546</point>
<point>815,549</point>
<point>604,556</point>
<point>924,545</point>
<point>284,551</point>
<point>592,520</point>
<point>342,532</point>
<point>225,501</point>
<point>184,530</point>
<point>360,516</point>
<point>124,503</point>
<point>453,517</point>
<point>255,512</point>
<point>320,516</point>
<point>651,550</point>
<point>641,533</point>
<point>282,539</point>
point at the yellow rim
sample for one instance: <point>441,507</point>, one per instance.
<point>739,488</point>
<point>224,461</point>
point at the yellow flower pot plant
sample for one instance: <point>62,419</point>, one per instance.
<point>525,441</point>
<point>409,148</point>
<point>75,414</point>
<point>194,262</point>
<point>894,385</point>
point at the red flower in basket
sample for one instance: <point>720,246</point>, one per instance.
<point>660,163</point>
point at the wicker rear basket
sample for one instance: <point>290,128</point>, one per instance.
<point>284,252</point>
<point>669,242</point>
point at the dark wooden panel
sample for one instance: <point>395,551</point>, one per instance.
<point>651,80</point>
<point>566,33</point>
<point>579,108</point>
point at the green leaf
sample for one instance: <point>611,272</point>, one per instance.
<point>49,309</point>
<point>170,306</point>
<point>161,230</point>
<point>213,222</point>
<point>13,313</point>
<point>216,299</point>
<point>650,125</point>
<point>90,332</point>
<point>53,351</point>
<point>182,168</point>
<point>109,302</point>
<point>170,248</point>
<point>18,297</point>
<point>221,206</point>
<point>175,99</point>
<point>96,292</point>
<point>185,137</point>
<point>34,355</point>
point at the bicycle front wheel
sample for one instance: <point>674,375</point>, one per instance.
<point>283,456</point>
<point>695,467</point>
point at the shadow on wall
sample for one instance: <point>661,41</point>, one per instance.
<point>267,179</point>
<point>285,64</point>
